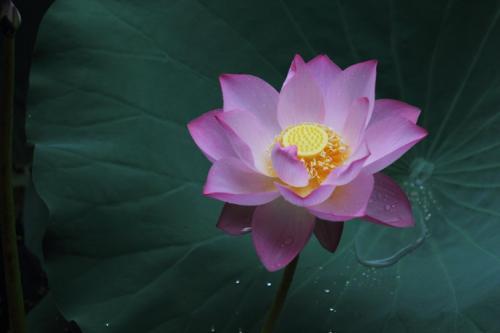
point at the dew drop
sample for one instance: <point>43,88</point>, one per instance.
<point>331,309</point>
<point>327,291</point>
<point>240,330</point>
<point>106,324</point>
<point>347,283</point>
<point>237,282</point>
<point>212,329</point>
<point>269,284</point>
<point>246,229</point>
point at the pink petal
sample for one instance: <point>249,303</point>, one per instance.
<point>388,139</point>
<point>351,168</point>
<point>300,100</point>
<point>356,81</point>
<point>354,128</point>
<point>388,204</point>
<point>387,108</point>
<point>249,138</point>
<point>323,71</point>
<point>288,167</point>
<point>329,233</point>
<point>209,136</point>
<point>316,197</point>
<point>236,220</point>
<point>250,93</point>
<point>230,180</point>
<point>346,202</point>
<point>279,232</point>
<point>296,62</point>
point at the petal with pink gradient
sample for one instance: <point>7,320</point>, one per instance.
<point>296,62</point>
<point>354,82</point>
<point>352,167</point>
<point>316,197</point>
<point>279,232</point>
<point>388,139</point>
<point>328,233</point>
<point>249,138</point>
<point>288,167</point>
<point>386,108</point>
<point>250,93</point>
<point>322,69</point>
<point>300,100</point>
<point>388,204</point>
<point>356,121</point>
<point>235,219</point>
<point>209,136</point>
<point>230,180</point>
<point>346,202</point>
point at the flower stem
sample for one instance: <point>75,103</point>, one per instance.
<point>10,21</point>
<point>279,300</point>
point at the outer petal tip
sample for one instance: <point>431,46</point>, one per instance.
<point>235,220</point>
<point>230,180</point>
<point>298,60</point>
<point>279,232</point>
<point>329,234</point>
<point>225,77</point>
<point>395,209</point>
<point>207,133</point>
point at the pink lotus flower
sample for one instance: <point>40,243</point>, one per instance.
<point>313,150</point>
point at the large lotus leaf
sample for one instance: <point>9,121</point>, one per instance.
<point>132,244</point>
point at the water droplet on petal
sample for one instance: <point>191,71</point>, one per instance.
<point>246,229</point>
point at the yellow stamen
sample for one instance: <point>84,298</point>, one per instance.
<point>318,147</point>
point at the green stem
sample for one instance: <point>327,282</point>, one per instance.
<point>13,284</point>
<point>279,300</point>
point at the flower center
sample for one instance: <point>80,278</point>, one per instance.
<point>318,147</point>
<point>310,139</point>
